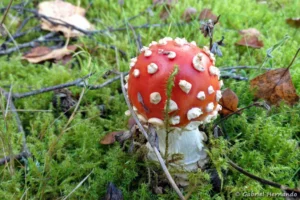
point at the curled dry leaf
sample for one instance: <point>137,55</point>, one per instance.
<point>189,14</point>
<point>40,54</point>
<point>207,14</point>
<point>275,86</point>
<point>250,38</point>
<point>60,12</point>
<point>295,22</point>
<point>229,102</point>
<point>110,138</point>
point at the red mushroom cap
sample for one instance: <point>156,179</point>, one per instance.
<point>196,90</point>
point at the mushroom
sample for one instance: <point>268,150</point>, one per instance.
<point>194,97</point>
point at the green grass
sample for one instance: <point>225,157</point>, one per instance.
<point>264,143</point>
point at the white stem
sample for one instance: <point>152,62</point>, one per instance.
<point>189,143</point>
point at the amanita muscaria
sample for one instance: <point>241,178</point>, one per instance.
<point>194,98</point>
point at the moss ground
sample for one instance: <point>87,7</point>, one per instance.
<point>264,143</point>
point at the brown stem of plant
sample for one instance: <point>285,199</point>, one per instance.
<point>6,12</point>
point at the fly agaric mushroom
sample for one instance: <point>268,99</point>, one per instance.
<point>194,97</point>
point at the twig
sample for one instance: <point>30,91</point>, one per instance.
<point>25,151</point>
<point>261,180</point>
<point>241,67</point>
<point>123,53</point>
<point>237,112</point>
<point>19,156</point>
<point>19,34</point>
<point>28,44</point>
<point>95,87</point>
<point>233,76</point>
<point>51,88</point>
<point>160,159</point>
<point>6,12</point>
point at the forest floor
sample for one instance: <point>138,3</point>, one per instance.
<point>66,158</point>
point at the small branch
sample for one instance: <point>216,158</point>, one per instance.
<point>28,44</point>
<point>19,156</point>
<point>261,180</point>
<point>242,67</point>
<point>259,104</point>
<point>233,76</point>
<point>160,159</point>
<point>43,90</point>
<point>95,87</point>
<point>25,150</point>
<point>6,12</point>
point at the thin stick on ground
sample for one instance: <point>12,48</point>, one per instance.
<point>159,157</point>
<point>25,151</point>
<point>261,180</point>
<point>51,88</point>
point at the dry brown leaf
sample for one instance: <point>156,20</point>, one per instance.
<point>37,52</point>
<point>60,11</point>
<point>275,86</point>
<point>251,41</point>
<point>110,138</point>
<point>250,32</point>
<point>295,22</point>
<point>207,14</point>
<point>189,14</point>
<point>57,54</point>
<point>229,102</point>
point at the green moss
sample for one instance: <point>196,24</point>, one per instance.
<point>264,143</point>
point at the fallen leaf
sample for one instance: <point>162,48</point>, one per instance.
<point>189,14</point>
<point>207,14</point>
<point>110,138</point>
<point>229,102</point>
<point>250,32</point>
<point>250,38</point>
<point>60,12</point>
<point>295,22</point>
<point>37,52</point>
<point>251,41</point>
<point>34,56</point>
<point>275,86</point>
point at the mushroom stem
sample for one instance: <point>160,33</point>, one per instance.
<point>188,143</point>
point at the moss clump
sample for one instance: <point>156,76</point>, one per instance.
<point>265,143</point>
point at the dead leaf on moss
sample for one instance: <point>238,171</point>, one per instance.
<point>250,32</point>
<point>189,14</point>
<point>110,138</point>
<point>275,86</point>
<point>250,38</point>
<point>40,54</point>
<point>37,52</point>
<point>251,41</point>
<point>60,12</point>
<point>229,102</point>
<point>207,14</point>
<point>295,22</point>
